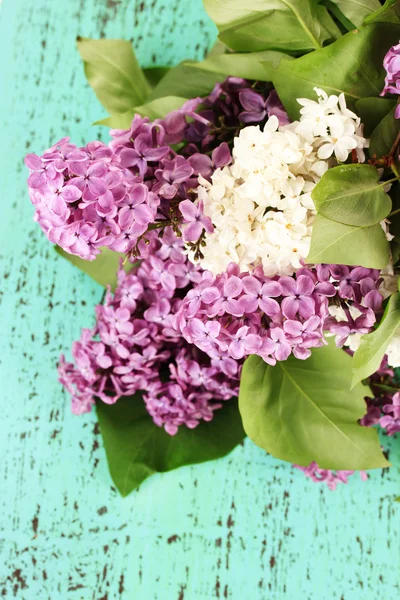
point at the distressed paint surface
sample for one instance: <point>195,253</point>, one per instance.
<point>244,528</point>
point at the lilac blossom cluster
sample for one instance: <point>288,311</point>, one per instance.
<point>219,116</point>
<point>172,331</point>
<point>330,478</point>
<point>240,314</point>
<point>384,406</point>
<point>391,63</point>
<point>134,341</point>
<point>85,198</point>
<point>108,196</point>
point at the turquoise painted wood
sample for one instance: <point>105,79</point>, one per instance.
<point>244,528</point>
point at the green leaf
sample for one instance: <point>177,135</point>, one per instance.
<point>159,108</point>
<point>373,345</point>
<point>254,25</point>
<point>218,48</point>
<point>352,194</point>
<point>335,243</point>
<point>136,448</point>
<point>384,135</point>
<point>155,74</point>
<point>155,109</point>
<point>114,73</point>
<point>395,250</point>
<point>303,411</point>
<point>352,64</point>
<point>327,22</point>
<point>388,13</point>
<point>186,80</point>
<point>339,16</point>
<point>247,65</point>
<point>118,121</point>
<point>102,269</point>
<point>357,10</point>
<point>372,110</point>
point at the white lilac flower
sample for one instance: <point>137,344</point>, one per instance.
<point>393,350</point>
<point>335,129</point>
<point>261,205</point>
<point>389,281</point>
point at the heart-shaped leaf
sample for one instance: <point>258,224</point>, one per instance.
<point>155,109</point>
<point>356,11</point>
<point>388,13</point>
<point>136,448</point>
<point>352,64</point>
<point>335,243</point>
<point>372,110</point>
<point>288,25</point>
<point>384,135</point>
<point>102,269</point>
<point>114,73</point>
<point>303,411</point>
<point>249,65</point>
<point>373,345</point>
<point>353,195</point>
<point>186,80</point>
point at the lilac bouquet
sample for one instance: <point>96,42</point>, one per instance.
<point>244,219</point>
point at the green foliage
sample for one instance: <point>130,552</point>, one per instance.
<point>301,411</point>
<point>136,448</point>
<point>186,80</point>
<point>103,269</point>
<point>388,13</point>
<point>384,135</point>
<point>372,110</point>
<point>373,345</point>
<point>333,242</point>
<point>114,73</point>
<point>155,74</point>
<point>287,25</point>
<point>352,64</point>
<point>356,11</point>
<point>250,65</point>
<point>333,9</point>
<point>155,109</point>
<point>353,195</point>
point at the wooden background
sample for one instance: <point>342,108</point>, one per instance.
<point>244,528</point>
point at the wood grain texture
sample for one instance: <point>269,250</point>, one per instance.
<point>244,528</point>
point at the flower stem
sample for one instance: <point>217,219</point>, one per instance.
<point>395,170</point>
<point>394,146</point>
<point>387,388</point>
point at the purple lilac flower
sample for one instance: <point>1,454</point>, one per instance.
<point>275,108</point>
<point>275,317</point>
<point>248,315</point>
<point>331,478</point>
<point>196,220</point>
<point>391,62</point>
<point>257,107</point>
<point>254,106</point>
<point>172,174</point>
<point>391,420</point>
<point>81,194</point>
<point>134,337</point>
<point>206,122</point>
<point>383,403</point>
<point>84,199</point>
